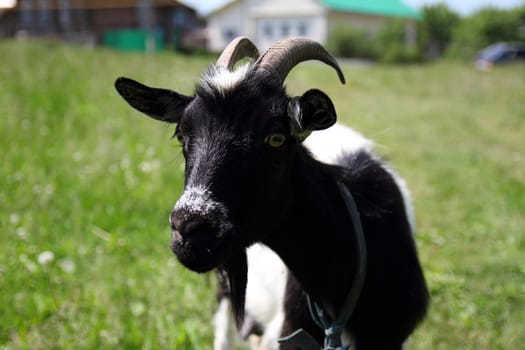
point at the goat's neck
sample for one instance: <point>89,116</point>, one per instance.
<point>317,241</point>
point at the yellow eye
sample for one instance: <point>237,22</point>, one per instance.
<point>275,140</point>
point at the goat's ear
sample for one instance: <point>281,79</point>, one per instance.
<point>312,111</point>
<point>160,104</point>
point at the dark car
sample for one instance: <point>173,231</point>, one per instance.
<point>500,53</point>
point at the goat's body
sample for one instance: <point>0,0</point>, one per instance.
<point>394,296</point>
<point>343,147</point>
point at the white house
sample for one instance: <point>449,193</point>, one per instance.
<point>266,21</point>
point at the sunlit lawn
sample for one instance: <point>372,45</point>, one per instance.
<point>86,185</point>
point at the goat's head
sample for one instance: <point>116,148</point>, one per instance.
<point>239,134</point>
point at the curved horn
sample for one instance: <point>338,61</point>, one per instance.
<point>236,50</point>
<point>286,54</point>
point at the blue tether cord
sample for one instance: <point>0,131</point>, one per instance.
<point>333,329</point>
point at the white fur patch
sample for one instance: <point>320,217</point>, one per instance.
<point>225,330</point>
<point>198,201</point>
<point>266,283</point>
<point>328,145</point>
<point>265,291</point>
<point>407,197</point>
<point>223,80</point>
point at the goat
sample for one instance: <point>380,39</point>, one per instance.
<point>249,178</point>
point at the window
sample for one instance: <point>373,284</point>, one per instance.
<point>26,17</point>
<point>64,15</point>
<point>285,29</point>
<point>179,18</point>
<point>45,14</point>
<point>268,30</point>
<point>302,29</point>
<point>275,29</point>
<point>229,34</point>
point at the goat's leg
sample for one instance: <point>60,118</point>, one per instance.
<point>225,336</point>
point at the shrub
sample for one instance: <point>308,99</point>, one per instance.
<point>390,44</point>
<point>398,53</point>
<point>346,41</point>
<point>435,30</point>
<point>486,27</point>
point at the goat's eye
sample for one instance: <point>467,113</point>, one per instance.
<point>179,137</point>
<point>275,140</point>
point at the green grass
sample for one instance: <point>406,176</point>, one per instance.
<point>85,177</point>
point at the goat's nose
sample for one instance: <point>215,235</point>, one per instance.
<point>190,226</point>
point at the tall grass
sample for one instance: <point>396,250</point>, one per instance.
<point>86,185</point>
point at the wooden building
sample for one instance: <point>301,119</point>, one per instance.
<point>91,21</point>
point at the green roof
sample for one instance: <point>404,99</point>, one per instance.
<point>395,8</point>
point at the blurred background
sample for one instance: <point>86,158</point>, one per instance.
<point>385,30</point>
<point>87,183</point>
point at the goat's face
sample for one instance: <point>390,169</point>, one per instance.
<point>239,135</point>
<point>239,147</point>
<point>237,150</point>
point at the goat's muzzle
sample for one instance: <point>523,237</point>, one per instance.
<point>200,242</point>
<point>190,226</point>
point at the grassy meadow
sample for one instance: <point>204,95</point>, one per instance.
<point>86,186</point>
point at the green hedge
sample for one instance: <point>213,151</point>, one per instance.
<point>346,41</point>
<point>387,46</point>
<point>486,27</point>
<point>440,32</point>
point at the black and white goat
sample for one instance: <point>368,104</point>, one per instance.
<point>249,178</point>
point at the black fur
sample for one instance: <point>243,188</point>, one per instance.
<point>284,198</point>
<point>236,271</point>
<point>394,297</point>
